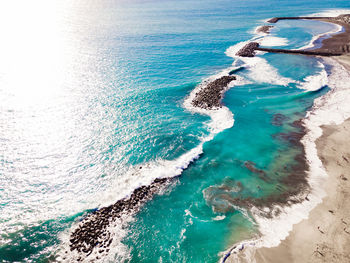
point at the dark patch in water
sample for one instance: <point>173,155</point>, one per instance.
<point>291,183</point>
<point>278,119</point>
<point>251,166</point>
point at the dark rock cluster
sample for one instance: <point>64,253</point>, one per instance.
<point>92,232</point>
<point>248,50</point>
<point>210,95</point>
<point>264,29</point>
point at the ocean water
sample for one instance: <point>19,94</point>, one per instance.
<point>92,91</point>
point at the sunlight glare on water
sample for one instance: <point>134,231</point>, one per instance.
<point>49,116</point>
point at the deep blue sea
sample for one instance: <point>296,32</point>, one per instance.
<point>92,90</point>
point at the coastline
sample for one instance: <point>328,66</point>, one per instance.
<point>206,99</point>
<point>325,235</point>
<point>337,44</point>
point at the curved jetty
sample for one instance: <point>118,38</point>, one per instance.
<point>276,19</point>
<point>336,45</point>
<point>210,95</point>
<point>341,18</point>
<point>249,51</point>
<point>300,52</point>
<point>92,232</point>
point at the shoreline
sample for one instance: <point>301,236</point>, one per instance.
<point>337,44</point>
<point>327,128</point>
<point>90,233</point>
<point>320,218</point>
<point>325,235</point>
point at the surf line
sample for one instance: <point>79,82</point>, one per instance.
<point>92,235</point>
<point>335,45</point>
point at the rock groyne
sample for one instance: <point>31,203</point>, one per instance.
<point>210,95</point>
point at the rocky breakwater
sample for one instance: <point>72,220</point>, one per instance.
<point>335,45</point>
<point>248,50</point>
<point>210,96</point>
<point>345,18</point>
<point>93,234</point>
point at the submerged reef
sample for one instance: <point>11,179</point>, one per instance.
<point>291,182</point>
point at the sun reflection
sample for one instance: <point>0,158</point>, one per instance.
<point>33,51</point>
<point>36,124</point>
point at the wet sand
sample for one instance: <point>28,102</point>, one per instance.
<point>325,235</point>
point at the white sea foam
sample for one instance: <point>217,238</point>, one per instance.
<point>219,218</point>
<point>315,82</point>
<point>331,109</point>
<point>221,119</point>
<point>259,69</point>
<point>272,41</point>
<point>331,13</point>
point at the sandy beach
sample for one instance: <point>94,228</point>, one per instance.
<point>325,235</point>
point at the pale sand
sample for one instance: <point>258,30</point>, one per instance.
<point>325,235</point>
<point>344,60</point>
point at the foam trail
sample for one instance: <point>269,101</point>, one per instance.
<point>259,69</point>
<point>331,109</point>
<point>331,12</point>
<point>136,177</point>
<point>315,82</point>
<point>272,41</point>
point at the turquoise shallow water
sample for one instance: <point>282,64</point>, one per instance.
<point>99,89</point>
